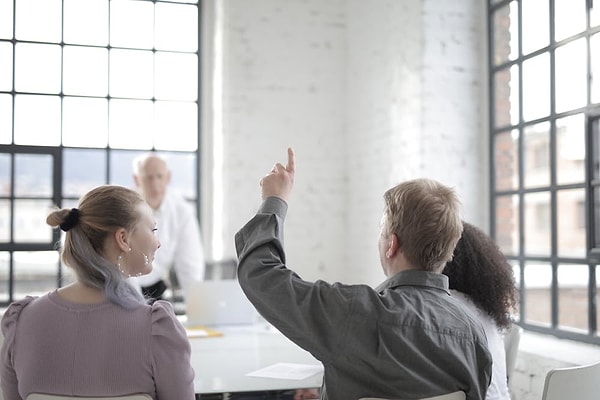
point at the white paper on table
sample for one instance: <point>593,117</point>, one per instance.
<point>287,371</point>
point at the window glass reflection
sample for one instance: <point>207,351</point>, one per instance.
<point>536,149</point>
<point>78,178</point>
<point>569,17</point>
<point>571,234</point>
<point>505,33</point>
<point>537,237</point>
<point>507,160</point>
<point>536,25</point>
<point>85,71</point>
<point>506,93</point>
<point>176,76</point>
<point>536,90</point>
<point>35,272</point>
<point>122,13</point>
<point>33,175</point>
<point>6,22</point>
<point>184,171</point>
<point>573,297</point>
<point>131,124</point>
<point>85,22</point>
<point>37,68</point>
<point>5,118</point>
<point>538,280</point>
<point>182,36</point>
<point>176,126</point>
<point>507,224</point>
<point>44,129</point>
<point>6,72</point>
<point>85,122</point>
<point>5,219</point>
<point>571,76</point>
<point>5,172</point>
<point>4,275</point>
<point>39,20</point>
<point>131,73</point>
<point>595,60</point>
<point>30,221</point>
<point>570,149</point>
<point>121,167</point>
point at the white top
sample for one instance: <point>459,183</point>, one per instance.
<point>180,244</point>
<point>498,389</point>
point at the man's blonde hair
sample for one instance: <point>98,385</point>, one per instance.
<point>425,217</point>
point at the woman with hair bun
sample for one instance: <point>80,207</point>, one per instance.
<point>98,336</point>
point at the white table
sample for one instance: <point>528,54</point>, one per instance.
<point>221,363</point>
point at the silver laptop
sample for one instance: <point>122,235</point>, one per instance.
<point>218,302</point>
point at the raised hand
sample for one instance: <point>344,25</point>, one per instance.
<point>280,180</point>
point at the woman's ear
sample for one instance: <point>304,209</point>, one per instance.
<point>121,239</point>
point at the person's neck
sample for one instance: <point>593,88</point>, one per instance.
<point>77,292</point>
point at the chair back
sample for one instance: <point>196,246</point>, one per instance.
<point>41,396</point>
<point>450,396</point>
<point>579,383</point>
<point>511,348</point>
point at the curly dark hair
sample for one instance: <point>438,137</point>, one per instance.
<point>480,270</point>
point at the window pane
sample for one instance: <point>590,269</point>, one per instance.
<point>538,280</point>
<point>595,56</point>
<point>4,274</point>
<point>507,160</point>
<point>131,73</point>
<point>506,91</point>
<point>507,224</point>
<point>535,25</point>
<point>122,13</point>
<point>184,171</point>
<point>4,221</point>
<point>6,66</point>
<point>5,119</point>
<point>37,68</point>
<point>5,171</point>
<point>30,221</point>
<point>569,18</point>
<point>39,20</point>
<point>536,149</point>
<point>86,22</point>
<point>85,122</point>
<point>78,177</point>
<point>573,296</point>
<point>594,16</point>
<point>596,211</point>
<point>597,299</point>
<point>182,35</point>
<point>44,129</point>
<point>176,76</point>
<point>35,272</point>
<point>176,126</point>
<point>131,124</point>
<point>6,19</point>
<point>571,76</point>
<point>33,175</point>
<point>536,87</point>
<point>537,224</point>
<point>85,71</point>
<point>570,149</point>
<point>571,234</point>
<point>121,167</point>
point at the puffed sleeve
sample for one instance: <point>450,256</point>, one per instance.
<point>8,377</point>
<point>171,351</point>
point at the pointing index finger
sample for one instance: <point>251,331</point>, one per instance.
<point>291,164</point>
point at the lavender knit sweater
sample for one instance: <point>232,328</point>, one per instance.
<point>54,346</point>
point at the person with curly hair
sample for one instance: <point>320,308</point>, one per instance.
<point>481,277</point>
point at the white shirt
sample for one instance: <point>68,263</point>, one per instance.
<point>180,244</point>
<point>498,389</point>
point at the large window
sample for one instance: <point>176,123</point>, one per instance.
<point>85,86</point>
<point>544,98</point>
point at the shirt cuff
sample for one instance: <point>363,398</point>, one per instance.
<point>274,205</point>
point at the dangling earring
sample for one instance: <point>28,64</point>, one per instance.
<point>119,259</point>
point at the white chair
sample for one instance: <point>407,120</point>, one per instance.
<point>580,383</point>
<point>450,396</point>
<point>511,348</point>
<point>41,396</point>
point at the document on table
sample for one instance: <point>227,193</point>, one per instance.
<point>287,371</point>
